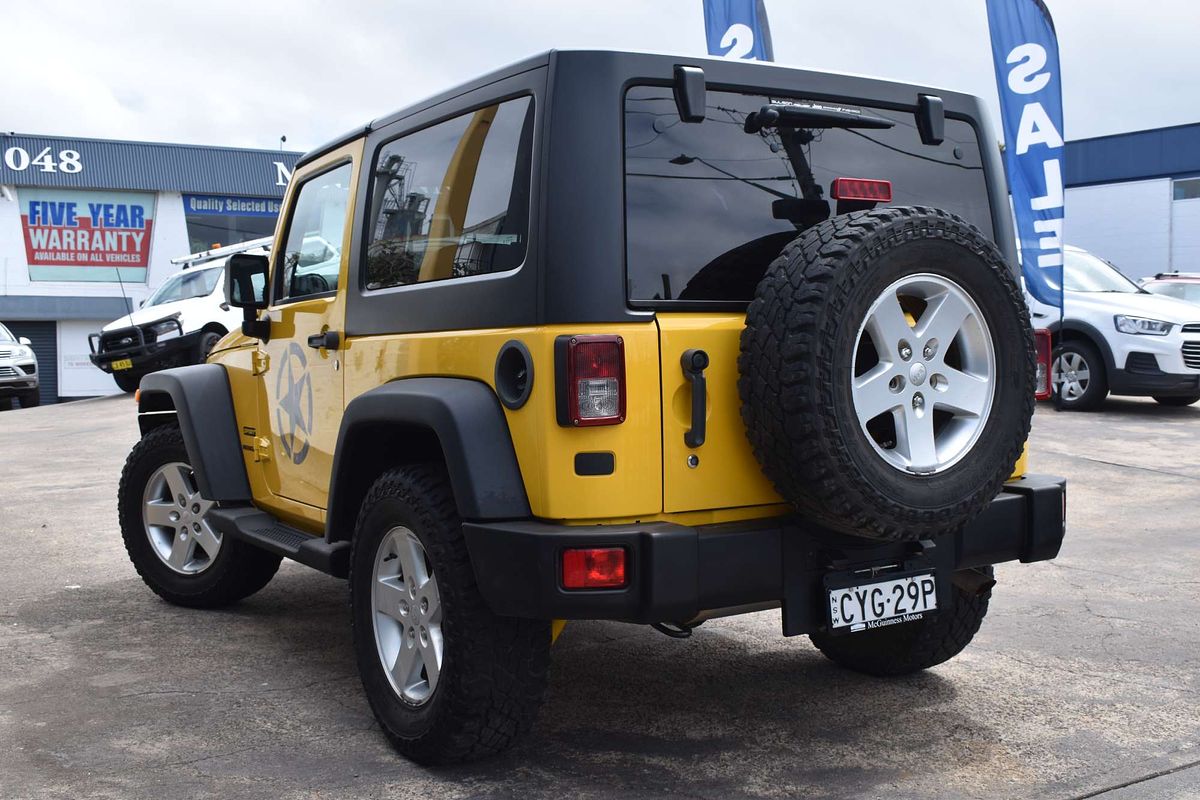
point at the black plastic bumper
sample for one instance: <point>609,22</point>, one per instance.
<point>1163,384</point>
<point>674,572</point>
<point>143,353</point>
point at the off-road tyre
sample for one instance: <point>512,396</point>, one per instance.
<point>1176,401</point>
<point>912,646</point>
<point>31,399</point>
<point>1097,389</point>
<point>208,340</point>
<point>796,361</point>
<point>238,571</point>
<point>493,670</point>
<point>127,381</point>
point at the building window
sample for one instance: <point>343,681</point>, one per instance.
<point>452,200</point>
<point>220,220</point>
<point>1187,189</point>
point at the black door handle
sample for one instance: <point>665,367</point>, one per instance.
<point>328,340</point>
<point>694,362</point>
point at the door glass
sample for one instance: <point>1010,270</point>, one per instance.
<point>312,257</point>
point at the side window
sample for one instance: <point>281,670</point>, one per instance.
<point>312,258</point>
<point>452,200</point>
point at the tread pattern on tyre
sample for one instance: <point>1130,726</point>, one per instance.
<point>499,664</point>
<point>786,381</point>
<point>893,651</point>
<point>241,569</point>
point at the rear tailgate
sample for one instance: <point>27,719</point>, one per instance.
<point>709,205</point>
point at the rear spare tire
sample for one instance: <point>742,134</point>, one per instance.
<point>887,373</point>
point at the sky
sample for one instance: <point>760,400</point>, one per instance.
<point>245,72</point>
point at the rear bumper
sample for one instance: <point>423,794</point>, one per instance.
<point>675,571</point>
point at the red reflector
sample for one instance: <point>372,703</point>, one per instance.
<point>596,380</point>
<point>862,189</point>
<point>593,568</point>
<point>1041,339</point>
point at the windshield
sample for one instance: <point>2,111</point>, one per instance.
<point>1085,272</point>
<point>1184,291</point>
<point>6,334</point>
<point>185,286</point>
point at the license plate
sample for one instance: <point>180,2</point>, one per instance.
<point>877,605</point>
<point>122,363</point>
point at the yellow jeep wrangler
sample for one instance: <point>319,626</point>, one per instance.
<point>614,336</point>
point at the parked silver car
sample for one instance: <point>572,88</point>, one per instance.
<point>18,370</point>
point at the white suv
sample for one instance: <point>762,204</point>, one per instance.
<point>1118,338</point>
<point>177,325</point>
<point>18,370</point>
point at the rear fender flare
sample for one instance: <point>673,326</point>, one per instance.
<point>458,416</point>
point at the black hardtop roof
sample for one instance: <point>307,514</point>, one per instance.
<point>748,72</point>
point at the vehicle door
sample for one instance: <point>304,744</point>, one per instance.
<point>301,396</point>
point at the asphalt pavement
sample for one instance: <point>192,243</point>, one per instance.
<point>1083,682</point>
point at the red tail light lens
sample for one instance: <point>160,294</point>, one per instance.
<point>1042,344</point>
<point>595,380</point>
<point>593,568</point>
<point>862,189</point>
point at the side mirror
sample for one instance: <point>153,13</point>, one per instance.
<point>246,288</point>
<point>25,341</point>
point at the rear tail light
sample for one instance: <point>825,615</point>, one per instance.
<point>871,191</point>
<point>595,381</point>
<point>593,568</point>
<point>1041,338</point>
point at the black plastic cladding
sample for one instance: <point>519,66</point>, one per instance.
<point>577,215</point>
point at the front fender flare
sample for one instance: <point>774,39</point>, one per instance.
<point>203,406</point>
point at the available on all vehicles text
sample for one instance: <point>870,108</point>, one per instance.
<point>614,336</point>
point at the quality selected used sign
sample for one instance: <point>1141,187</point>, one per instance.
<point>228,205</point>
<point>85,235</point>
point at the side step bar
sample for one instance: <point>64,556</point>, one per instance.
<point>263,530</point>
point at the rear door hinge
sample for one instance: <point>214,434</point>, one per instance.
<point>261,362</point>
<point>262,448</point>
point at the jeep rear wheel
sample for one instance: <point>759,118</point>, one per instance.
<point>887,373</point>
<point>448,680</point>
<point>913,646</point>
<point>168,538</point>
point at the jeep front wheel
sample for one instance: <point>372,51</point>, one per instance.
<point>163,518</point>
<point>447,679</point>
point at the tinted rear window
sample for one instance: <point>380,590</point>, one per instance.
<point>703,199</point>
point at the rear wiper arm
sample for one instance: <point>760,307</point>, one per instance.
<point>807,114</point>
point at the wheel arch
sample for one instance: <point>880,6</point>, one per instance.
<point>1073,329</point>
<point>457,421</point>
<point>214,327</point>
<point>198,398</point>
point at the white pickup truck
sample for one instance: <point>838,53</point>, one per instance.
<point>178,324</point>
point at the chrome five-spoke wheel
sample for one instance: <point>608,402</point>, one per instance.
<point>408,616</point>
<point>924,374</point>
<point>173,514</point>
<point>1071,374</point>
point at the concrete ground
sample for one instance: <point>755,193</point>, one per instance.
<point>1083,682</point>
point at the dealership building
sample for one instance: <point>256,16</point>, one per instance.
<point>88,228</point>
<point>1134,199</point>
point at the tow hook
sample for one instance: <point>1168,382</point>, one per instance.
<point>676,630</point>
<point>974,582</point>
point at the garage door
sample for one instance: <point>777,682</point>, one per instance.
<point>44,336</point>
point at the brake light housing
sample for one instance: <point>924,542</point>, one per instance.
<point>1043,346</point>
<point>593,568</point>
<point>867,190</point>
<point>590,380</point>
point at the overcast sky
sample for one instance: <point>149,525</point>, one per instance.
<point>244,72</point>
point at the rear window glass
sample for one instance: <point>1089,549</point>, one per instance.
<point>708,205</point>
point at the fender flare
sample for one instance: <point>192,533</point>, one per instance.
<point>203,405</point>
<point>464,416</point>
<point>1091,333</point>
